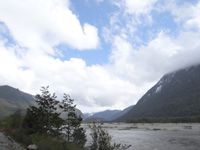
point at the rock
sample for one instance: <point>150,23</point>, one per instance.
<point>32,147</point>
<point>7,143</point>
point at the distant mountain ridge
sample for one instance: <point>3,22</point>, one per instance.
<point>12,99</point>
<point>107,115</point>
<point>177,94</point>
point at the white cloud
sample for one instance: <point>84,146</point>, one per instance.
<point>12,72</point>
<point>91,86</point>
<point>186,14</point>
<point>161,55</point>
<point>130,16</point>
<point>44,24</point>
<point>99,1</point>
<point>139,7</point>
<point>131,70</point>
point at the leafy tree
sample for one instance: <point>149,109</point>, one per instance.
<point>44,126</point>
<point>14,121</point>
<point>101,140</point>
<point>43,118</point>
<point>72,124</point>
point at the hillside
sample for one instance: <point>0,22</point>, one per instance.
<point>12,99</point>
<point>177,94</point>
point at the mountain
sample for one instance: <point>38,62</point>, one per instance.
<point>86,115</point>
<point>63,115</point>
<point>121,113</point>
<point>107,115</point>
<point>177,94</point>
<point>12,99</point>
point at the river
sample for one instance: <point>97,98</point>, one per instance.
<point>157,136</point>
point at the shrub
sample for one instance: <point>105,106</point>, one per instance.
<point>101,140</point>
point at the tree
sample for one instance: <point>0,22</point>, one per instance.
<point>72,124</point>
<point>43,118</point>
<point>101,140</point>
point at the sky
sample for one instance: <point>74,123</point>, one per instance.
<point>105,53</point>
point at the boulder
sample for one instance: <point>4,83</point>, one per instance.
<point>32,147</point>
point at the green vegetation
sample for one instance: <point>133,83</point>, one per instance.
<point>101,140</point>
<point>43,126</point>
<point>44,117</point>
<point>73,131</point>
<point>12,126</point>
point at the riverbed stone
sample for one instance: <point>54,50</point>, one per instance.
<point>32,147</point>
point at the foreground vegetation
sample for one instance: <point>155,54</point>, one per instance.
<point>43,126</point>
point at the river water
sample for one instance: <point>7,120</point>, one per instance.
<point>157,136</point>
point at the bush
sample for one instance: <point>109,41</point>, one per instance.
<point>101,140</point>
<point>43,126</point>
<point>48,142</point>
<point>11,126</point>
